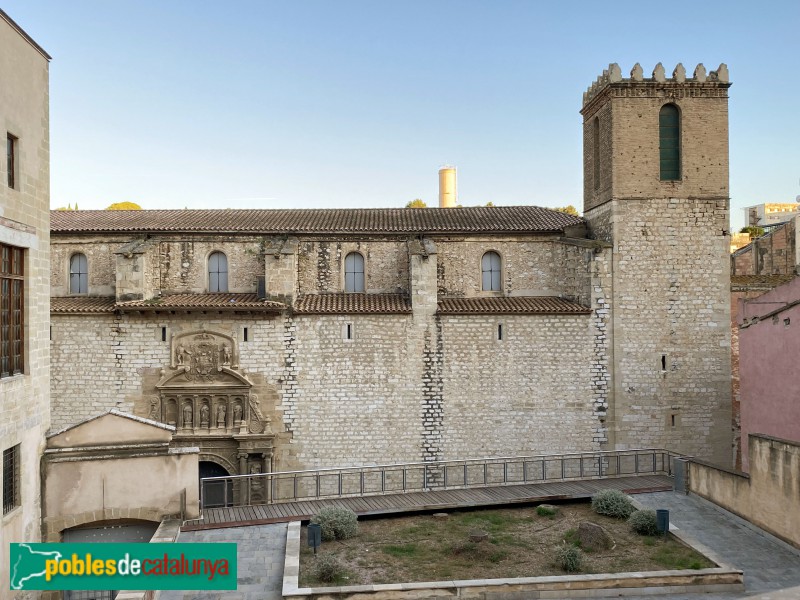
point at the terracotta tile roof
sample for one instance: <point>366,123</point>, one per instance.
<point>315,304</point>
<point>758,282</point>
<point>350,220</point>
<point>81,305</point>
<point>203,302</point>
<point>502,305</point>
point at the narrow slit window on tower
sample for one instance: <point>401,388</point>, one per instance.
<point>163,334</point>
<point>669,142</point>
<point>500,332</point>
<point>244,334</point>
<point>663,362</point>
<point>596,152</point>
<point>78,274</point>
<point>348,331</point>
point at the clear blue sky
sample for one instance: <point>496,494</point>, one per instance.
<point>358,103</point>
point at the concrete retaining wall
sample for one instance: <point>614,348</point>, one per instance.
<point>769,497</point>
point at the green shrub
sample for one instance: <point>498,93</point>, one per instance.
<point>327,568</point>
<point>612,503</point>
<point>644,522</point>
<point>569,558</point>
<point>543,511</point>
<point>338,523</point>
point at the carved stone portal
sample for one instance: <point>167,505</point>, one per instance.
<point>205,396</point>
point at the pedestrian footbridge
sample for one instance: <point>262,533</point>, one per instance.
<point>441,485</point>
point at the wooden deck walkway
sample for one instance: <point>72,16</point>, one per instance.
<point>238,516</point>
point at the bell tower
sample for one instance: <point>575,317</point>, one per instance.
<point>656,187</point>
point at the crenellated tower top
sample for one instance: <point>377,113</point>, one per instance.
<point>612,78</point>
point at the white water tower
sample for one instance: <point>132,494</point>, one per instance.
<point>448,196</point>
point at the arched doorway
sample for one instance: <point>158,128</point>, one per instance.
<point>216,492</point>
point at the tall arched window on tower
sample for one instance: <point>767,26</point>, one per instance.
<point>354,272</point>
<point>490,272</point>
<point>669,142</point>
<point>217,272</point>
<point>78,274</point>
<point>596,151</point>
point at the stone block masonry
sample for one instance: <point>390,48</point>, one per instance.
<point>668,329</point>
<point>398,391</point>
<point>671,327</point>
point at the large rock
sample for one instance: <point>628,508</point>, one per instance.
<point>593,537</point>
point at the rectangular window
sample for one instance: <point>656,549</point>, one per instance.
<point>10,479</point>
<point>12,285</point>
<point>11,160</point>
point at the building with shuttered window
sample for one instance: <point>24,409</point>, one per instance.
<point>24,277</point>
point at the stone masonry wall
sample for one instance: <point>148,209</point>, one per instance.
<point>372,399</point>
<point>401,389</point>
<point>672,326</point>
<point>183,263</point>
<point>100,261</point>
<point>113,361</point>
<point>529,268</point>
<point>529,393</point>
<point>358,400</point>
<point>321,265</point>
<point>596,192</point>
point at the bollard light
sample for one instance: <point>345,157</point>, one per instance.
<point>662,520</point>
<point>314,534</point>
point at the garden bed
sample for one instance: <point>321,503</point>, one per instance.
<point>520,543</point>
<point>433,558</point>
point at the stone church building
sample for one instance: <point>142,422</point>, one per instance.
<point>292,339</point>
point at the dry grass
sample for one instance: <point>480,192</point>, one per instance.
<point>521,543</point>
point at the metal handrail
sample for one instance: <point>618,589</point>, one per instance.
<point>455,460</point>
<point>435,475</point>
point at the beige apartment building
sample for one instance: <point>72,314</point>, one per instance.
<point>24,282</point>
<point>770,213</point>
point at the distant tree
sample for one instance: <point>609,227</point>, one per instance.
<point>570,210</point>
<point>67,207</point>
<point>753,231</point>
<point>490,204</point>
<point>416,204</point>
<point>123,206</point>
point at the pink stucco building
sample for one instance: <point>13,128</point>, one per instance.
<point>769,351</point>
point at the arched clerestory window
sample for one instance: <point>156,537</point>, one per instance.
<point>354,272</point>
<point>669,142</point>
<point>78,274</point>
<point>217,272</point>
<point>491,280</point>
